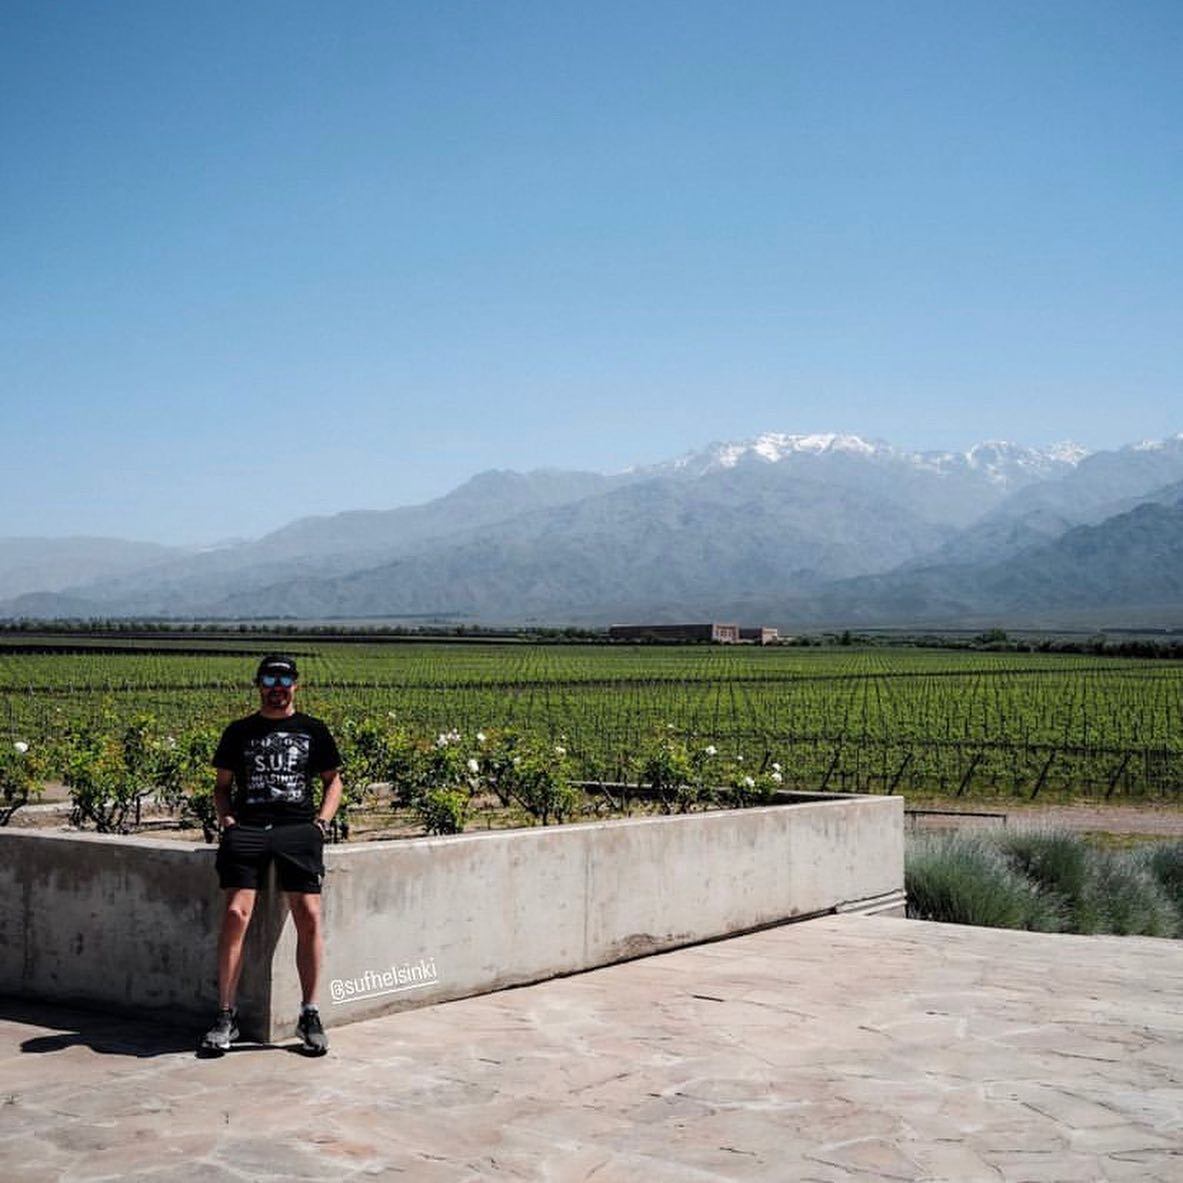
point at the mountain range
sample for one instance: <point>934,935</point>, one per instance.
<point>796,531</point>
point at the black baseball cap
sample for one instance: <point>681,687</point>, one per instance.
<point>277,663</point>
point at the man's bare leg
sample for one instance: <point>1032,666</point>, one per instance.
<point>236,918</point>
<point>310,952</point>
<point>310,945</point>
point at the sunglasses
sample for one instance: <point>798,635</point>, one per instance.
<point>270,680</point>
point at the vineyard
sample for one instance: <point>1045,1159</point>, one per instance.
<point>954,723</point>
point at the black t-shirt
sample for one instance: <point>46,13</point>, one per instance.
<point>275,764</point>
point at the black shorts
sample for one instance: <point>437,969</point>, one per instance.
<point>246,851</point>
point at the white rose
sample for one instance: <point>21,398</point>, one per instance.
<point>559,751</point>
<point>480,737</point>
<point>21,746</point>
<point>775,766</point>
<point>777,778</point>
<point>748,783</point>
<point>473,766</point>
<point>710,749</point>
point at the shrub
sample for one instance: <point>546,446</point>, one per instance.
<point>961,879</point>
<point>365,747</point>
<point>538,778</point>
<point>441,781</point>
<point>365,757</point>
<point>1094,890</point>
<point>1045,879</point>
<point>1164,861</point>
<point>498,751</point>
<point>406,766</point>
<point>21,773</point>
<point>197,805</point>
<point>756,786</point>
<point>109,777</point>
<point>1058,865</point>
<point>442,811</point>
<point>677,772</point>
<point>1128,899</point>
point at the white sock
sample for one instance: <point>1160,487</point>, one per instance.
<point>305,1007</point>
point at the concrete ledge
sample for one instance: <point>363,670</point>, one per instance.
<point>96,918</point>
<point>132,922</point>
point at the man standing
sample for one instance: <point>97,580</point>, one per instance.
<point>267,811</point>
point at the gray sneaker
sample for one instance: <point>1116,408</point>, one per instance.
<point>311,1031</point>
<point>222,1034</point>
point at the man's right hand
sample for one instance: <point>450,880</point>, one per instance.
<point>226,821</point>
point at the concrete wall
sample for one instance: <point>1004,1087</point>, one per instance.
<point>93,918</point>
<point>132,922</point>
<point>487,910</point>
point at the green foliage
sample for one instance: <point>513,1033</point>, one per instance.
<point>497,753</point>
<point>992,638</point>
<point>109,776</point>
<point>963,879</point>
<point>537,777</point>
<point>366,749</point>
<point>666,769</point>
<point>852,716</point>
<point>1043,879</point>
<point>196,749</point>
<point>1093,890</point>
<point>445,779</point>
<point>407,767</point>
<point>442,810</point>
<point>21,771</point>
<point>446,762</point>
<point>1164,861</point>
<point>436,780</point>
<point>1059,866</point>
<point>365,746</point>
<point>679,772</point>
<point>1129,900</point>
<point>755,785</point>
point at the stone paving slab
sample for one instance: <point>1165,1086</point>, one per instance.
<point>837,1049</point>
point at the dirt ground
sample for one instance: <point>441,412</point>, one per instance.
<point>1157,820</point>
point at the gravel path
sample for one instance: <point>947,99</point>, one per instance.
<point>1160,820</point>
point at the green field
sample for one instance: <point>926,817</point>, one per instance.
<point>941,721</point>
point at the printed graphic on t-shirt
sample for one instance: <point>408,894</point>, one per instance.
<point>277,767</point>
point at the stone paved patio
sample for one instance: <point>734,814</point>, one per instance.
<point>837,1049</point>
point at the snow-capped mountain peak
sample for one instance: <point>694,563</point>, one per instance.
<point>773,447</point>
<point>1068,452</point>
<point>1170,442</point>
<point>1000,462</point>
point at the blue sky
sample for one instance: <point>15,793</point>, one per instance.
<point>269,259</point>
